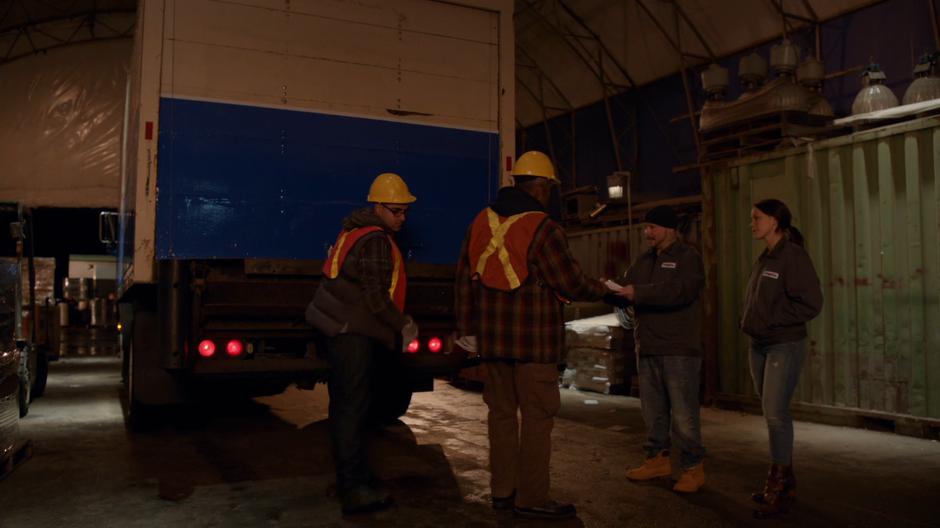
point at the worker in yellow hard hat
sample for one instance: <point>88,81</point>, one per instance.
<point>360,307</point>
<point>514,270</point>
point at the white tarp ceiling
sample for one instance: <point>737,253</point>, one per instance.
<point>28,27</point>
<point>549,40</point>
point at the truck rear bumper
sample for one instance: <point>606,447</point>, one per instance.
<point>435,364</point>
<point>256,366</point>
<point>425,365</point>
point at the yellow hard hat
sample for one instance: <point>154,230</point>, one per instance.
<point>535,163</point>
<point>388,187</point>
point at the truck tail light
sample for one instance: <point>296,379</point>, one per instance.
<point>234,348</point>
<point>414,346</point>
<point>434,344</point>
<point>206,348</point>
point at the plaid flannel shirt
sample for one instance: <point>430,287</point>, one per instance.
<point>525,324</point>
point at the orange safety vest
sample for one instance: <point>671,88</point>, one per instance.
<point>344,244</point>
<point>499,247</point>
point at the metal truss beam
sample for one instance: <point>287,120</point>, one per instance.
<point>42,35</point>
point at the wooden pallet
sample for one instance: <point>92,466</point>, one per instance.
<point>763,134</point>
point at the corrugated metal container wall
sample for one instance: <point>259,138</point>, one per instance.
<point>869,207</point>
<point>608,251</point>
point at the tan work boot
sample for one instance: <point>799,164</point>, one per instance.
<point>691,480</point>
<point>655,467</point>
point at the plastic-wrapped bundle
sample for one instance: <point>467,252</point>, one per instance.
<point>9,406</point>
<point>595,356</point>
<point>596,370</point>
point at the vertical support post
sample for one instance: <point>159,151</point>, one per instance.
<point>709,250</point>
<point>690,103</point>
<point>548,130</point>
<point>574,151</point>
<point>614,142</point>
<point>934,24</point>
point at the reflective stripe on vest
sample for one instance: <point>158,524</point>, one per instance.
<point>499,247</point>
<point>344,244</point>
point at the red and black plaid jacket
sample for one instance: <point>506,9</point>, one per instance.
<point>525,324</point>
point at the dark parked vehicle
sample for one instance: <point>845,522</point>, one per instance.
<point>19,318</point>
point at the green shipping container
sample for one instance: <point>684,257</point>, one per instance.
<point>869,206</point>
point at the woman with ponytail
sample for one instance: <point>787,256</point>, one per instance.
<point>783,294</point>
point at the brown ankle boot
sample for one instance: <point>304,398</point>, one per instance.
<point>691,479</point>
<point>789,488</point>
<point>776,499</point>
<point>654,467</point>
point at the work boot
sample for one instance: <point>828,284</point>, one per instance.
<point>504,503</point>
<point>775,500</point>
<point>691,480</point>
<point>365,499</point>
<point>653,467</point>
<point>789,488</point>
<point>549,510</point>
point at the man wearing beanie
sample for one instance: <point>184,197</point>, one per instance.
<point>664,285</point>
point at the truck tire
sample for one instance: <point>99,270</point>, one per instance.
<point>140,417</point>
<point>390,402</point>
<point>42,374</point>
<point>152,392</point>
<point>23,394</point>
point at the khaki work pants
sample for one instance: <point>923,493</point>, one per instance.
<point>519,457</point>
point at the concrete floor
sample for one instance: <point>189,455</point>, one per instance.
<point>267,463</point>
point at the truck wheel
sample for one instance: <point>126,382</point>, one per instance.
<point>389,403</point>
<point>23,393</point>
<point>42,374</point>
<point>140,417</point>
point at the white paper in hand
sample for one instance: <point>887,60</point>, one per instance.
<point>613,286</point>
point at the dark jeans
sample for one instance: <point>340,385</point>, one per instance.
<point>669,400</point>
<point>352,365</point>
<point>776,372</point>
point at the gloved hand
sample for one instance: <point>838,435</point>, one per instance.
<point>467,343</point>
<point>409,332</point>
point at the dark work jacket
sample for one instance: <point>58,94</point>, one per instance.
<point>357,300</point>
<point>783,294</point>
<point>667,304</point>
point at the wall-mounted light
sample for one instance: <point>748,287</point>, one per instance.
<point>617,185</point>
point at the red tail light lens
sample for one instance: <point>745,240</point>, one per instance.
<point>206,348</point>
<point>434,344</point>
<point>234,348</point>
<point>414,346</point>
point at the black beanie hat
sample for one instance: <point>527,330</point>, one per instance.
<point>662,215</point>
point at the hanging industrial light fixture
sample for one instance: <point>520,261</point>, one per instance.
<point>752,72</point>
<point>715,82</point>
<point>811,74</point>
<point>874,95</point>
<point>784,57</point>
<point>926,84</point>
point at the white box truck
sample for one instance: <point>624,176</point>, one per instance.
<point>252,128</point>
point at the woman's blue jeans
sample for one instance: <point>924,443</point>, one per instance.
<point>776,372</point>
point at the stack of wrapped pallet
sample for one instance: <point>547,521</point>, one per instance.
<point>45,280</point>
<point>596,359</point>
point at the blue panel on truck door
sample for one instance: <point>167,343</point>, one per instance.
<point>238,181</point>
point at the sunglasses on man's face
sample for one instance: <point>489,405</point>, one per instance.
<point>396,211</point>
